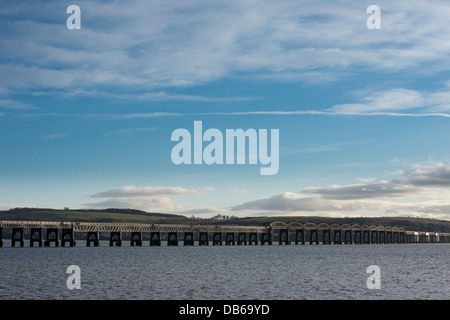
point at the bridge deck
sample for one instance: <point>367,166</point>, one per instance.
<point>333,233</point>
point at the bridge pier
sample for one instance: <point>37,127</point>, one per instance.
<point>366,235</point>
<point>389,237</point>
<point>39,239</point>
<point>337,234</point>
<point>136,239</point>
<point>402,237</point>
<point>203,239</point>
<point>1,237</point>
<point>326,236</point>
<point>396,238</point>
<point>311,233</point>
<point>266,237</point>
<point>50,239</point>
<point>155,238</point>
<point>348,237</point>
<point>229,239</point>
<point>92,236</point>
<point>217,238</point>
<point>283,236</point>
<point>358,236</point>
<point>188,238</point>
<point>242,238</point>
<point>172,238</point>
<point>115,239</point>
<point>373,236</point>
<point>382,237</point>
<point>67,235</point>
<point>300,232</point>
<point>253,238</point>
<point>20,238</point>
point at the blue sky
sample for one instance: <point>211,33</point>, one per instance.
<point>86,115</point>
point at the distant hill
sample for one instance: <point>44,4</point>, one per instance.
<point>89,215</point>
<point>138,216</point>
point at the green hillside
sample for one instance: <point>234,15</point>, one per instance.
<point>79,215</point>
<point>138,216</point>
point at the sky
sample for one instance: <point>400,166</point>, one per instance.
<point>86,115</point>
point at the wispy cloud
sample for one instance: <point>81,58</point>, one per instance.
<point>154,199</point>
<point>15,105</point>
<point>139,97</point>
<point>129,131</point>
<point>55,136</point>
<point>152,45</point>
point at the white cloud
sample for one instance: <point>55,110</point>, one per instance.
<point>132,191</point>
<point>129,131</point>
<point>151,199</point>
<point>423,192</point>
<point>16,105</point>
<point>159,44</point>
<point>151,204</point>
<point>205,212</point>
<point>55,136</point>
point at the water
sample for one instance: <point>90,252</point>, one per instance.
<point>408,271</point>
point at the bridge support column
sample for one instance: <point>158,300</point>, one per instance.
<point>242,238</point>
<point>285,233</point>
<point>217,238</point>
<point>358,236</point>
<point>172,238</point>
<point>381,236</point>
<point>253,238</point>
<point>348,237</point>
<point>396,237</point>
<point>67,235</point>
<point>266,237</point>
<point>389,237</point>
<point>39,239</point>
<point>92,236</point>
<point>373,236</point>
<point>402,236</point>
<point>17,235</point>
<point>136,239</point>
<point>364,234</point>
<point>301,233</point>
<point>115,239</point>
<point>326,236</point>
<point>229,239</point>
<point>311,233</point>
<point>1,237</point>
<point>188,239</point>
<point>52,236</point>
<point>203,239</point>
<point>155,238</point>
<point>337,233</point>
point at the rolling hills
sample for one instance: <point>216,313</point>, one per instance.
<point>138,216</point>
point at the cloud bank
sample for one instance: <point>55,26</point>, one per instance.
<point>422,192</point>
<point>149,45</point>
<point>151,199</point>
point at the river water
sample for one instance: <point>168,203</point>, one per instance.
<point>277,272</point>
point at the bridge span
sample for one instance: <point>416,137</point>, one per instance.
<point>48,233</point>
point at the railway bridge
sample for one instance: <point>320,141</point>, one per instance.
<point>48,233</point>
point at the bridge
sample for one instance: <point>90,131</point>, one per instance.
<point>48,233</point>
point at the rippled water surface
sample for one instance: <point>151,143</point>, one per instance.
<point>408,271</point>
